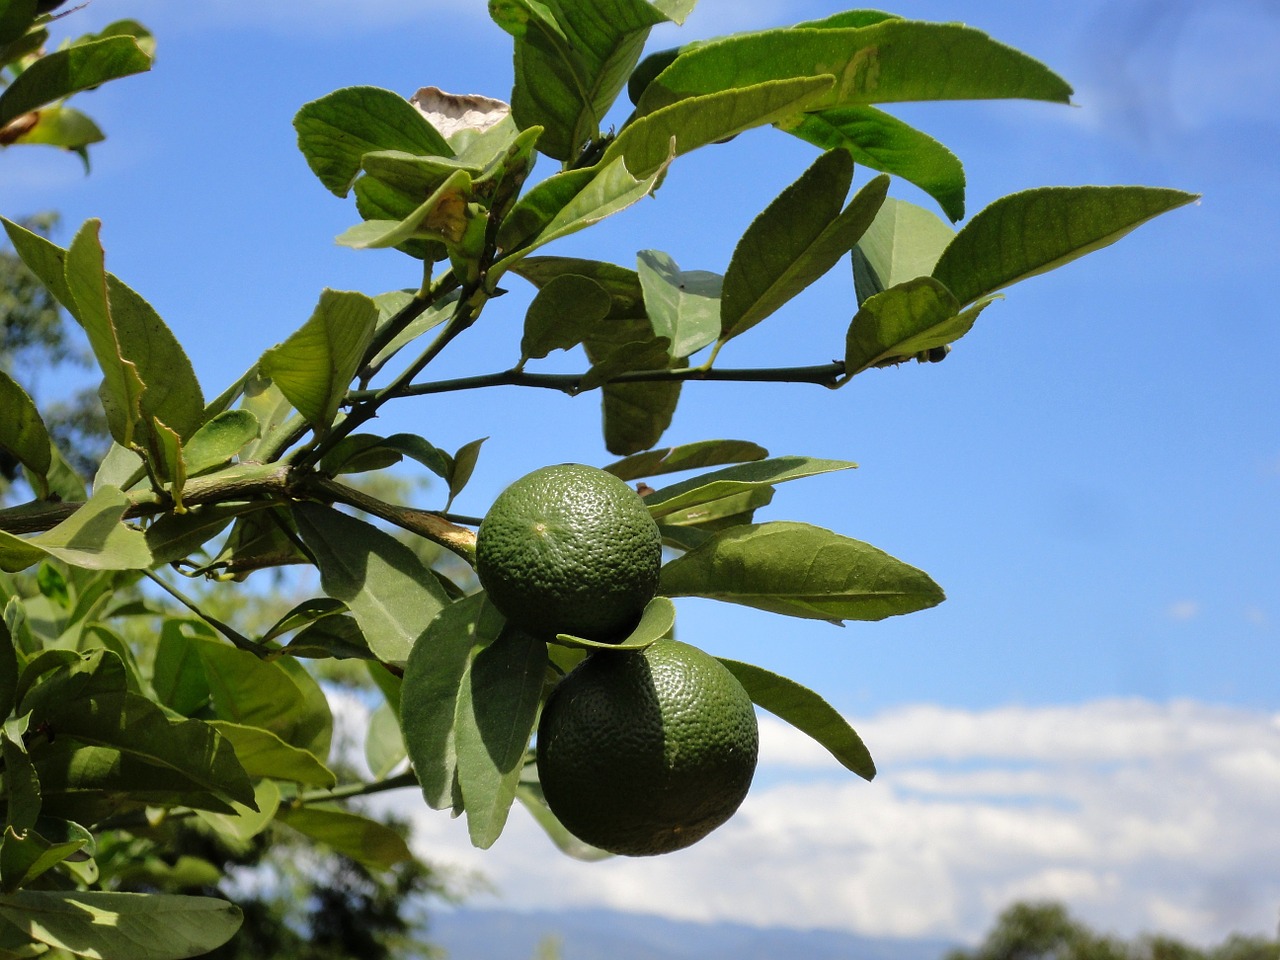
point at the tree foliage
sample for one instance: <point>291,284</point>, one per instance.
<point>129,711</point>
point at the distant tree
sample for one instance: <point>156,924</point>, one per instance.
<point>1046,931</point>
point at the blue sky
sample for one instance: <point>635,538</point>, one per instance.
<point>1092,474</point>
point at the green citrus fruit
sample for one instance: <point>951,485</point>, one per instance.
<point>569,549</point>
<point>647,752</point>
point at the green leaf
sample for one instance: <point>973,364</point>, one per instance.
<point>15,19</point>
<point>496,710</point>
<point>636,415</point>
<point>276,695</point>
<point>21,782</point>
<point>23,433</point>
<point>23,857</point>
<point>263,754</point>
<point>648,141</point>
<point>531,798</point>
<point>219,440</point>
<point>683,305</point>
<point>571,61</point>
<point>138,726</point>
<point>63,127</point>
<point>8,670</point>
<point>337,130</point>
<point>882,142</point>
<point>93,537</point>
<point>909,320</point>
<point>887,62</point>
<point>145,367</point>
<point>122,926</point>
<point>690,456</point>
<point>243,824</point>
<point>316,364</point>
<point>383,744</point>
<point>1037,230</point>
<point>337,638</point>
<point>461,466</point>
<point>443,216</point>
<point>622,285</point>
<point>565,311</point>
<point>174,536</point>
<point>64,72</point>
<point>902,243</point>
<point>718,514</point>
<point>709,487</point>
<point>797,239</point>
<point>801,571</point>
<point>388,589</point>
<point>807,712</point>
<point>566,203</point>
<point>429,697</point>
<point>657,621</point>
<point>368,842</point>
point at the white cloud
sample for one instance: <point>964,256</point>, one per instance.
<point>1140,816</point>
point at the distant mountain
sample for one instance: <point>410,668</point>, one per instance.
<point>471,934</point>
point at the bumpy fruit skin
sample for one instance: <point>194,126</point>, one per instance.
<point>646,753</point>
<point>569,549</point>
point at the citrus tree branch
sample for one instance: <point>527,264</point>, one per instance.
<point>826,374</point>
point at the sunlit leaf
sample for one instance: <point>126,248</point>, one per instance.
<point>1036,230</point>
<point>902,243</point>
<point>689,456</point>
<point>801,571</point>
<point>906,321</point>
<point>709,487</point>
<point>63,72</point>
<point>368,842</point>
<point>683,305</point>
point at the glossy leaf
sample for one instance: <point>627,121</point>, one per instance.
<point>807,712</point>
<point>429,695</point>
<point>1037,230</point>
<point>337,130</point>
<point>683,305</point>
<point>565,311</point>
<point>656,622</point>
<point>902,243</point>
<point>887,62</point>
<point>93,537</point>
<point>497,707</point>
<point>368,842</point>
<point>647,141</point>
<point>795,240</point>
<point>880,141</point>
<point>121,926</point>
<point>708,487</point>
<point>387,588</point>
<point>906,321</point>
<point>571,61</point>
<point>316,364</point>
<point>263,754</point>
<point>689,456</point>
<point>63,72</point>
<point>801,571</point>
<point>23,433</point>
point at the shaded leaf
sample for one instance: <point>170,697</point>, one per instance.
<point>174,536</point>
<point>795,240</point>
<point>368,842</point>
<point>122,926</point>
<point>801,571</point>
<point>564,312</point>
<point>263,754</point>
<point>807,712</point>
<point>219,440</point>
<point>496,710</point>
<point>656,622</point>
<point>383,744</point>
<point>442,216</point>
<point>429,695</point>
<point>531,798</point>
<point>243,824</point>
<point>1034,231</point>
<point>386,586</point>
<point>316,364</point>
<point>23,433</point>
